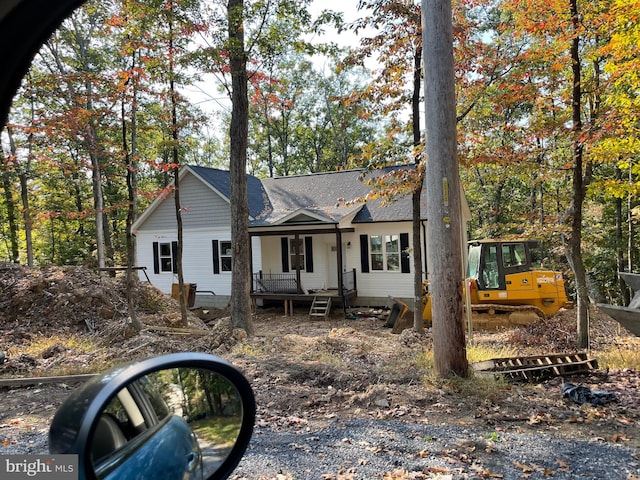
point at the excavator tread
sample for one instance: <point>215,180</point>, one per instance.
<point>483,307</point>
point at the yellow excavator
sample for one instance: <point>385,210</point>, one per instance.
<point>507,285</point>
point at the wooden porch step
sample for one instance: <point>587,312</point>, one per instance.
<point>320,307</point>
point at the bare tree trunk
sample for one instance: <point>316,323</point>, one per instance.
<point>7,185</point>
<point>625,294</point>
<point>443,190</point>
<point>26,215</point>
<point>239,130</point>
<point>418,322</point>
<point>131,205</point>
<point>14,253</point>
<point>96,186</point>
<point>176,178</point>
<point>23,177</point>
<point>630,224</point>
<point>579,186</point>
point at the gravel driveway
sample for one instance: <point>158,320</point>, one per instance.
<point>368,449</point>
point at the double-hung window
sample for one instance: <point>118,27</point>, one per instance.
<point>380,253</point>
<point>296,252</point>
<point>222,253</point>
<point>385,252</point>
<point>164,257</point>
<point>225,256</point>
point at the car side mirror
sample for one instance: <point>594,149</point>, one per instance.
<point>177,416</point>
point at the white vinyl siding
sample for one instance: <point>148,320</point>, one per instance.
<point>379,283</point>
<point>197,261</point>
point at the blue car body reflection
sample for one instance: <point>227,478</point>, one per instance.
<point>168,450</point>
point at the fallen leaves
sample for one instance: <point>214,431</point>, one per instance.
<point>529,469</point>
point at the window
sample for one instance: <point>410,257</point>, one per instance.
<point>490,278</point>
<point>377,256</point>
<point>513,255</point>
<point>222,253</point>
<point>304,258</point>
<point>164,257</point>
<point>225,256</point>
<point>392,246</point>
<point>166,260</point>
<point>296,247</point>
<point>385,252</point>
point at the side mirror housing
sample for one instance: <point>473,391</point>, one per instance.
<point>182,415</point>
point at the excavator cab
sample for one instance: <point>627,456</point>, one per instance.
<point>491,262</point>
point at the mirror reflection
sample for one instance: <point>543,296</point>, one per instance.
<point>174,423</point>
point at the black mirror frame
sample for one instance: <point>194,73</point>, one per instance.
<point>99,391</point>
<point>23,31</point>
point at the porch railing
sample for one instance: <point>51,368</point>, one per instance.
<point>349,280</point>
<point>286,282</point>
<point>274,283</point>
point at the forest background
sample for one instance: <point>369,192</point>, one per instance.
<point>109,100</point>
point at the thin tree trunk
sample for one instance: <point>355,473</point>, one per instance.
<point>176,177</point>
<point>7,185</point>
<point>131,205</point>
<point>575,242</point>
<point>625,294</point>
<point>93,147</point>
<point>96,186</point>
<point>77,193</point>
<point>418,322</point>
<point>630,224</point>
<point>23,177</point>
<point>239,130</point>
<point>26,216</point>
<point>443,191</point>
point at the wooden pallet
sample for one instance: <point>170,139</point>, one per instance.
<point>536,368</point>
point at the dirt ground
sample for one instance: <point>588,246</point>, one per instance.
<point>304,372</point>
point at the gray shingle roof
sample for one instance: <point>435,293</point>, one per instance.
<point>334,195</point>
<point>327,196</point>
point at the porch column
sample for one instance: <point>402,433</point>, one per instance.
<point>250,262</point>
<point>298,279</point>
<point>339,266</point>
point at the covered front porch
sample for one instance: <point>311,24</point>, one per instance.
<point>287,288</point>
<point>302,263</point>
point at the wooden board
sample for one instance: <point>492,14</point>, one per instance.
<point>13,382</point>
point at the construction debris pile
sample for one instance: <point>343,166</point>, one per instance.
<point>73,316</point>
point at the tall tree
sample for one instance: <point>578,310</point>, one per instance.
<point>238,133</point>
<point>564,41</point>
<point>580,182</point>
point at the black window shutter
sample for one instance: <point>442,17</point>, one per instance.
<point>174,256</point>
<point>284,245</point>
<point>364,253</point>
<point>156,258</point>
<point>308,253</point>
<point>404,254</point>
<point>216,256</point>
